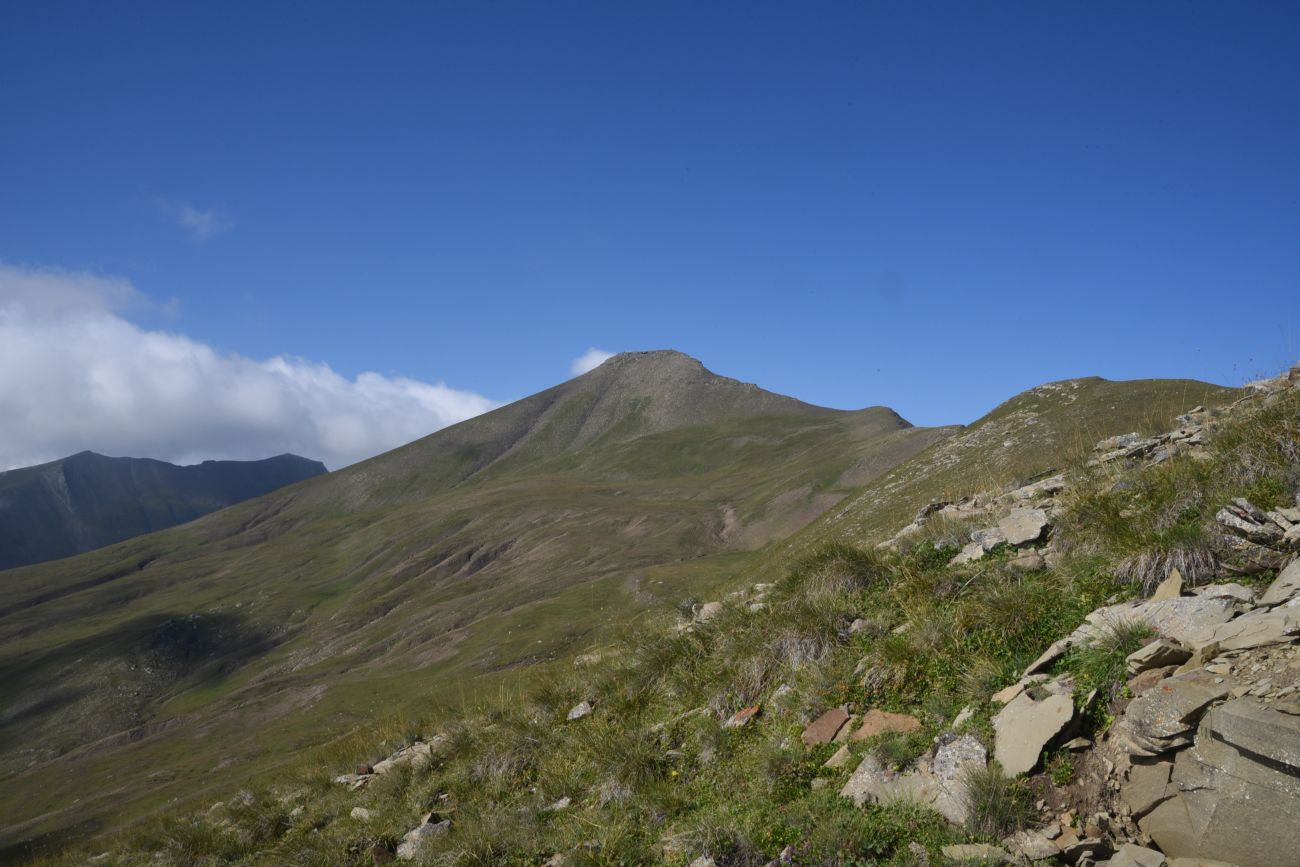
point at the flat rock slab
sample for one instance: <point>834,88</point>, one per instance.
<point>937,782</point>
<point>1023,526</point>
<point>1163,717</point>
<point>1032,845</point>
<point>1158,654</point>
<point>1180,619</point>
<point>1147,787</point>
<point>1132,855</point>
<point>1025,726</point>
<point>824,729</point>
<point>1258,628</point>
<point>878,722</point>
<point>1284,587</point>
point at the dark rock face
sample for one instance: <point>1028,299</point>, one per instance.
<point>87,500</point>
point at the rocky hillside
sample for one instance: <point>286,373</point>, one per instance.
<point>993,682</point>
<point>456,562</point>
<point>88,501</point>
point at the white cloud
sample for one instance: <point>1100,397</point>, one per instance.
<point>202,224</point>
<point>75,374</point>
<point>589,360</point>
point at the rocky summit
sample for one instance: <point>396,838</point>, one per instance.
<point>704,624</point>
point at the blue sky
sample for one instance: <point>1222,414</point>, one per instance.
<point>925,205</point>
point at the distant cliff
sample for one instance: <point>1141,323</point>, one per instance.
<point>87,500</point>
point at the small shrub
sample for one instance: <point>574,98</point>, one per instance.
<point>995,804</point>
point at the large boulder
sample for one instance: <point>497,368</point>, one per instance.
<point>1238,790</point>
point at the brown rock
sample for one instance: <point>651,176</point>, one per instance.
<point>742,717</point>
<point>878,722</point>
<point>824,729</point>
<point>1149,678</point>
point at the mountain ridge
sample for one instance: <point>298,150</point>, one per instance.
<point>88,500</point>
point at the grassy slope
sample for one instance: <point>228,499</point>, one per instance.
<point>652,779</point>
<point>1037,432</point>
<point>188,657</point>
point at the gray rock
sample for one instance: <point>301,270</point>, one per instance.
<point>1031,845</point>
<point>418,755</point>
<point>1028,561</point>
<point>1157,654</point>
<point>579,710</point>
<point>989,538</point>
<point>1165,716</point>
<point>973,551</point>
<point>1170,588</point>
<point>1133,855</point>
<point>1257,628</point>
<point>708,611</point>
<point>1238,790</point>
<point>1025,726</point>
<point>1239,592</point>
<point>1284,587</point>
<point>1179,619</point>
<point>418,838</point>
<point>1147,787</point>
<point>361,814</point>
<point>1023,526</point>
<point>937,781</point>
<point>1265,533</point>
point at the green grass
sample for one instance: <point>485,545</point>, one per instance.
<point>653,776</point>
<point>364,589</point>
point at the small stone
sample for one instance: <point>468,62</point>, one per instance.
<point>1023,526</point>
<point>579,710</point>
<point>361,814</point>
<point>741,718</point>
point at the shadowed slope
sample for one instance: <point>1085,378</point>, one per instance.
<point>87,500</point>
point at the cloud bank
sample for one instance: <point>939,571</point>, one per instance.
<point>589,360</point>
<point>75,374</point>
